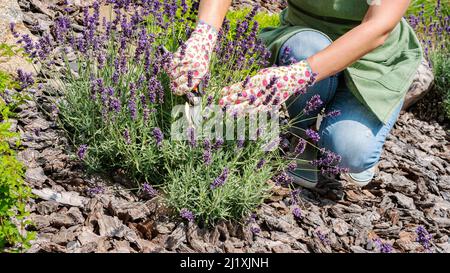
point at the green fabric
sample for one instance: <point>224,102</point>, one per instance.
<point>381,78</point>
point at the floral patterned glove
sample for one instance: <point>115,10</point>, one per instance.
<point>270,87</point>
<point>191,62</point>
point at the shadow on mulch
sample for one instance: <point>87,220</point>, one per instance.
<point>431,108</point>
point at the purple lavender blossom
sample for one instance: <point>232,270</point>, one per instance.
<point>82,151</point>
<point>158,135</point>
<point>260,164</point>
<point>95,191</point>
<point>25,79</point>
<point>187,215</point>
<point>190,77</point>
<point>313,104</point>
<point>209,100</point>
<point>297,212</point>
<point>333,113</point>
<point>255,230</point>
<point>220,180</point>
<point>240,143</point>
<point>283,179</point>
<point>149,190</point>
<point>295,196</point>
<point>292,166</point>
<point>245,82</point>
<point>207,156</point>
<point>313,135</point>
<point>322,237</point>
<point>423,237</point>
<point>192,138</point>
<point>300,148</point>
<point>383,247</point>
<point>219,143</point>
<point>126,137</point>
<point>12,28</point>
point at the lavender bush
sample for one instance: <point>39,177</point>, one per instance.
<point>431,21</point>
<point>117,107</point>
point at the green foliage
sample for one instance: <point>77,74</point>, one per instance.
<point>5,81</point>
<point>7,50</point>
<point>441,68</point>
<point>264,19</point>
<point>429,5</point>
<point>14,194</point>
<point>432,27</point>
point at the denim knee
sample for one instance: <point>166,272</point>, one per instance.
<point>354,142</point>
<point>303,45</point>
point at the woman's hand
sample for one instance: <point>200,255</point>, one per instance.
<point>270,87</point>
<point>191,62</point>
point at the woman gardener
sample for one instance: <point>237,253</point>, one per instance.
<point>360,54</point>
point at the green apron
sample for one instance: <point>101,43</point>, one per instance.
<point>381,78</point>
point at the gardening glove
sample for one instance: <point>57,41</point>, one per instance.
<point>191,62</point>
<point>269,87</point>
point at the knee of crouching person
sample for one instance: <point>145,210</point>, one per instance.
<point>354,142</point>
<point>303,45</point>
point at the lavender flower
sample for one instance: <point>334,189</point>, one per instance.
<point>322,237</point>
<point>295,197</point>
<point>255,230</point>
<point>260,164</point>
<point>220,180</point>
<point>300,148</point>
<point>240,143</point>
<point>219,143</point>
<point>297,212</point>
<point>192,138</point>
<point>158,135</point>
<point>190,76</point>
<point>292,166</point>
<point>245,82</point>
<point>209,100</point>
<point>313,104</point>
<point>333,113</point>
<point>282,179</point>
<point>25,79</point>
<point>95,191</point>
<point>187,215</point>
<point>383,247</point>
<point>423,237</point>
<point>126,137</point>
<point>207,156</point>
<point>149,190</point>
<point>82,151</point>
<point>313,135</point>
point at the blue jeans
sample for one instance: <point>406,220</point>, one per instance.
<point>356,135</point>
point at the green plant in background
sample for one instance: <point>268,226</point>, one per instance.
<point>429,6</point>
<point>431,21</point>
<point>441,68</point>
<point>14,194</point>
<point>6,82</point>
<point>264,19</point>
